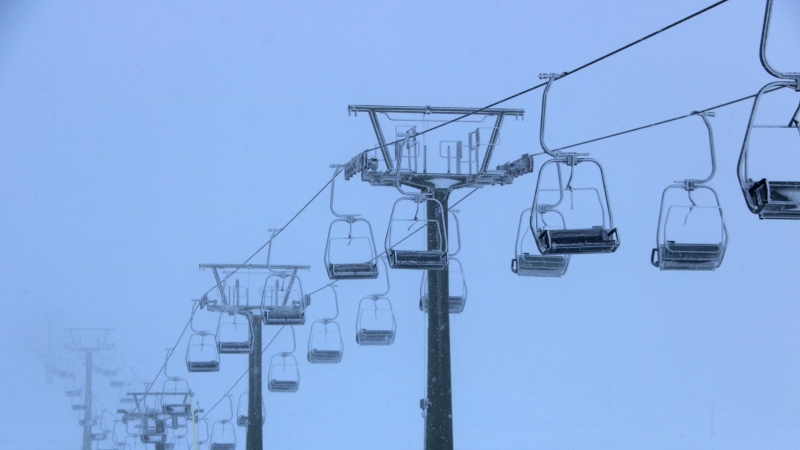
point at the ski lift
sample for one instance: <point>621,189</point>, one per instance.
<point>354,256</point>
<point>202,441</point>
<point>457,289</point>
<point>412,250</point>
<point>202,354</point>
<point>770,199</point>
<point>152,429</point>
<point>325,343</point>
<point>235,336</point>
<point>284,375</point>
<point>376,325</point>
<point>77,403</point>
<point>401,251</point>
<point>175,393</point>
<point>242,411</point>
<point>124,398</point>
<point>535,265</point>
<point>71,389</point>
<point>597,238</point>
<point>681,253</point>
<point>223,434</point>
<point>282,303</point>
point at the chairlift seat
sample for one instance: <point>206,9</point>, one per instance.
<point>283,385</point>
<point>455,303</point>
<point>294,315</point>
<point>375,337</point>
<point>241,421</point>
<point>177,409</point>
<point>540,265</point>
<point>676,256</point>
<point>775,199</point>
<point>116,383</point>
<point>98,436</point>
<point>78,407</point>
<point>417,259</point>
<point>324,356</point>
<point>154,438</point>
<point>353,271</point>
<point>222,446</point>
<point>234,347</point>
<point>127,399</point>
<point>596,239</point>
<point>73,392</point>
<point>202,366</point>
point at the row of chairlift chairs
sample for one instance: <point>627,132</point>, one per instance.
<point>553,207</point>
<point>769,199</point>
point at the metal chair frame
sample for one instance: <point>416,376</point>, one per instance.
<point>218,430</point>
<point>597,239</point>
<point>275,384</point>
<point>318,355</point>
<point>535,265</point>
<point>225,346</point>
<point>357,270</point>
<point>455,303</point>
<point>672,255</point>
<point>422,259</point>
<point>768,198</point>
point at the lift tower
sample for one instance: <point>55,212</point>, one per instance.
<point>88,341</point>
<point>236,300</point>
<point>403,158</point>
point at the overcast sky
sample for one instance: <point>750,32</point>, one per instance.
<point>140,140</point>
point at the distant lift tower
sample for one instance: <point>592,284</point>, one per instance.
<point>88,341</point>
<point>262,306</point>
<point>435,164</point>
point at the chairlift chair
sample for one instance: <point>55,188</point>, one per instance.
<point>202,354</point>
<point>376,325</point>
<point>356,264</point>
<point>535,265</point>
<point>415,258</point>
<point>124,398</point>
<point>457,290</point>
<point>223,434</point>
<point>152,430</point>
<point>234,335</point>
<point>77,404</point>
<point>770,199</point>
<point>180,405</point>
<point>283,373</point>
<point>457,298</point>
<point>282,300</point>
<point>598,238</point>
<point>325,344</point>
<point>685,254</point>
<point>242,411</point>
<point>561,240</point>
<point>73,391</point>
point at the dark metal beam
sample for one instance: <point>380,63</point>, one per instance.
<point>439,420</point>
